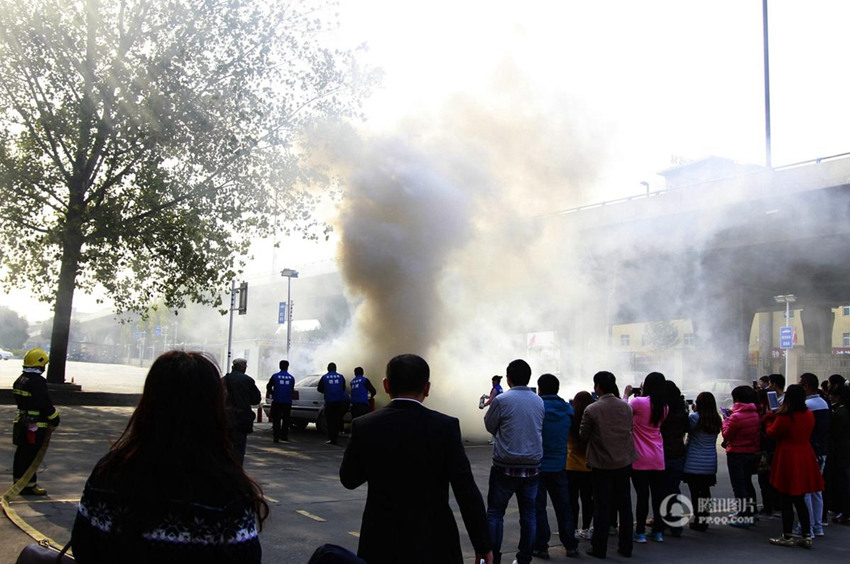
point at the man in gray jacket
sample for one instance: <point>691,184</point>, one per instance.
<point>607,430</point>
<point>515,419</point>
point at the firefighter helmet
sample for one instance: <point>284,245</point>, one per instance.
<point>35,358</point>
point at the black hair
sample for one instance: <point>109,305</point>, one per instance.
<point>709,420</point>
<point>580,403</point>
<point>744,394</point>
<point>407,374</point>
<point>653,386</point>
<point>547,385</point>
<point>178,450</point>
<point>519,372</point>
<point>358,371</point>
<point>284,365</point>
<point>332,367</point>
<point>778,380</point>
<point>835,381</point>
<point>764,378</point>
<point>794,400</point>
<point>606,382</point>
<point>810,381</point>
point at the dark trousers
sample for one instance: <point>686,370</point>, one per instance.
<point>768,494</point>
<point>556,485</point>
<point>581,487</point>
<point>672,480</point>
<point>741,468</point>
<point>700,487</point>
<point>333,415</point>
<point>501,488</point>
<point>648,483</point>
<point>280,420</point>
<point>239,441</point>
<point>25,455</point>
<point>611,491</point>
<point>788,503</point>
<point>358,409</point>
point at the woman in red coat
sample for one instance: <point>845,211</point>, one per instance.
<point>794,471</point>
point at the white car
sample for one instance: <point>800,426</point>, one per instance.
<point>5,355</point>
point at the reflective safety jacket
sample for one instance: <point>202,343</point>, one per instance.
<point>280,386</point>
<point>30,391</point>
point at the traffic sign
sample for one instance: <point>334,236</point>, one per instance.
<point>786,337</point>
<point>281,313</point>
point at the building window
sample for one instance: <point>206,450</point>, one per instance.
<point>688,339</point>
<point>845,340</point>
<point>624,340</point>
<point>845,311</point>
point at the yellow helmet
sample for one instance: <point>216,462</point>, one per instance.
<point>35,358</point>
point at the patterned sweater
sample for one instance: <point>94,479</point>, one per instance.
<point>110,527</point>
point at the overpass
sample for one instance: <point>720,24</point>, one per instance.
<point>717,252</point>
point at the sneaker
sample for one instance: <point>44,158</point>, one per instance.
<point>657,537</point>
<point>585,534</point>
<point>739,525</point>
<point>573,553</point>
<point>612,530</point>
<point>639,538</point>
<point>33,490</point>
<point>783,541</point>
<point>819,532</point>
<point>797,530</point>
<point>544,554</point>
<point>805,542</point>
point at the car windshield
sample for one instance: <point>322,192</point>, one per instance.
<point>308,382</point>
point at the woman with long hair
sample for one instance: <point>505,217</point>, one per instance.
<point>578,473</point>
<point>700,471</point>
<point>649,411</point>
<point>742,438</point>
<point>169,490</point>
<point>795,471</point>
<point>673,431</point>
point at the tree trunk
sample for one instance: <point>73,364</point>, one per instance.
<point>62,311</point>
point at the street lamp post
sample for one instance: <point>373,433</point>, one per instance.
<point>787,299</point>
<point>289,274</point>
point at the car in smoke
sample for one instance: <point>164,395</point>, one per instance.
<point>720,388</point>
<point>5,355</point>
<point>310,405</point>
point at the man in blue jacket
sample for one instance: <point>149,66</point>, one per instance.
<point>332,385</point>
<point>280,387</point>
<point>557,421</point>
<point>362,391</point>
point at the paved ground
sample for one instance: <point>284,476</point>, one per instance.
<point>310,507</point>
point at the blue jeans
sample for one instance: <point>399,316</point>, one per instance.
<point>556,484</point>
<point>741,466</point>
<point>501,488</point>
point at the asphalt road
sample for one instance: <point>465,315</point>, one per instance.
<point>309,507</point>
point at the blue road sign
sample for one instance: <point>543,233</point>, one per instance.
<point>786,337</point>
<point>157,330</point>
<point>281,313</point>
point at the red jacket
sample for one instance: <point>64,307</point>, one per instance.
<point>742,429</point>
<point>794,469</point>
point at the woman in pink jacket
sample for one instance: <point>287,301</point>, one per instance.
<point>649,410</point>
<point>742,438</point>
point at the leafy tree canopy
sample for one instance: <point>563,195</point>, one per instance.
<point>144,142</point>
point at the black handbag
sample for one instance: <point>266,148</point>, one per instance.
<point>43,553</point>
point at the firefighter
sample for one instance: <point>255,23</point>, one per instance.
<point>35,413</point>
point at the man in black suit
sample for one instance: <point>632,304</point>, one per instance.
<point>410,455</point>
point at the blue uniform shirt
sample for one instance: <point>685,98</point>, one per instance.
<point>333,386</point>
<point>359,391</point>
<point>282,385</point>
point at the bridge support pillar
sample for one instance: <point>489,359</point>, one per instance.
<point>817,329</point>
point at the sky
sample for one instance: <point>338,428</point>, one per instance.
<point>632,84</point>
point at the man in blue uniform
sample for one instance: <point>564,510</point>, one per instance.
<point>280,387</point>
<point>35,414</point>
<point>332,385</point>
<point>362,391</point>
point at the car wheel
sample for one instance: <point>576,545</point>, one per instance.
<point>299,424</point>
